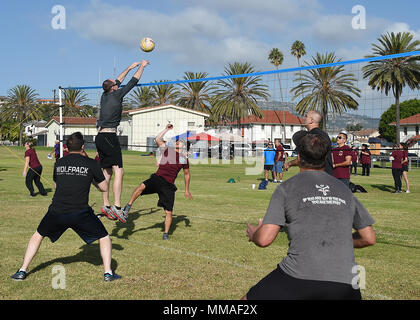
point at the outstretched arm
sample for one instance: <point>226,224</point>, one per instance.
<point>123,74</point>
<point>136,77</point>
<point>159,141</point>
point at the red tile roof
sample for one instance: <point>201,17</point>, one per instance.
<point>274,117</point>
<point>415,119</point>
<point>77,120</point>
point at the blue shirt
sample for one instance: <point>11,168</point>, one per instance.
<point>269,155</point>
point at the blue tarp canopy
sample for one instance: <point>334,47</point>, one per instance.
<point>184,135</point>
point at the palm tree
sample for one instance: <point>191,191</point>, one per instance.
<point>237,97</point>
<point>326,89</point>
<point>165,93</point>
<point>195,95</point>
<point>298,50</point>
<point>142,97</point>
<point>74,99</point>
<point>276,57</point>
<point>394,74</point>
<point>20,106</point>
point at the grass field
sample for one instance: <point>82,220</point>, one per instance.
<point>208,255</point>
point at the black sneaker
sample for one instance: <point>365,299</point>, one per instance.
<point>108,277</point>
<point>32,195</point>
<point>126,210</point>
<point>165,236</point>
<point>19,275</point>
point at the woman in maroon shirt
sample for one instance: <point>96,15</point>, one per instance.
<point>405,167</point>
<point>34,172</point>
<point>397,157</point>
<point>365,160</point>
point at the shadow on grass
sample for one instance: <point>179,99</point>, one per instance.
<point>128,228</point>
<point>396,244</point>
<point>90,253</point>
<point>383,187</point>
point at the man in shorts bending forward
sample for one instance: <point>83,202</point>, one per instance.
<point>162,182</point>
<point>73,176</point>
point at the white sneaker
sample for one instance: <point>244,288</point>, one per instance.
<point>280,181</point>
<point>275,181</point>
<point>408,191</point>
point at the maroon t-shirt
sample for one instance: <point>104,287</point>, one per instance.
<point>280,150</point>
<point>339,156</point>
<point>33,158</point>
<point>364,158</point>
<point>170,164</point>
<point>398,157</point>
<point>354,155</point>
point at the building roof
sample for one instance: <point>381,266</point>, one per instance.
<point>365,132</point>
<point>89,121</point>
<point>273,117</point>
<point>413,120</point>
<point>164,106</point>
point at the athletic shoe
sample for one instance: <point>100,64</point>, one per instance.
<point>108,277</point>
<point>408,191</point>
<point>108,213</point>
<point>126,211</point>
<point>275,181</point>
<point>44,194</point>
<point>165,236</point>
<point>397,191</point>
<point>32,195</point>
<point>280,181</point>
<point>119,214</point>
<point>19,275</point>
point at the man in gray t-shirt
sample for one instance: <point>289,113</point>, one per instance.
<point>318,213</point>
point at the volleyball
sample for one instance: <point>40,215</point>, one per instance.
<point>147,44</point>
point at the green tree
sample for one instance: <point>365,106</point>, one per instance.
<point>236,98</point>
<point>165,93</point>
<point>394,74</point>
<point>195,95</point>
<point>276,58</point>
<point>74,101</point>
<point>407,109</point>
<point>328,89</point>
<point>20,107</point>
<point>142,97</point>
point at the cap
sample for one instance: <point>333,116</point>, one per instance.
<point>297,137</point>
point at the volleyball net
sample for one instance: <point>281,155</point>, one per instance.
<point>353,106</point>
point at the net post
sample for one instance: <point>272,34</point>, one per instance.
<point>60,102</point>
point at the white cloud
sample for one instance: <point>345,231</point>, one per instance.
<point>403,27</point>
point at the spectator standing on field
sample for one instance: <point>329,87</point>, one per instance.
<point>32,170</point>
<point>354,160</point>
<point>365,160</point>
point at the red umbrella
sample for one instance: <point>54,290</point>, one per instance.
<point>202,136</point>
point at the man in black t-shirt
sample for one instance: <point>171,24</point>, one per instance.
<point>312,121</point>
<point>73,176</point>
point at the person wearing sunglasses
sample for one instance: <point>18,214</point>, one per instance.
<point>342,159</point>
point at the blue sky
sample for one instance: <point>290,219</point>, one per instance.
<point>190,35</point>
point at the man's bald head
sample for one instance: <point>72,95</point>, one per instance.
<point>313,119</point>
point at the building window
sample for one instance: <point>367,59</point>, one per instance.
<point>291,128</point>
<point>417,130</point>
<point>405,131</point>
<point>262,127</point>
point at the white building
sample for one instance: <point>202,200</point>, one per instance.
<point>148,122</point>
<point>409,131</point>
<point>268,128</point>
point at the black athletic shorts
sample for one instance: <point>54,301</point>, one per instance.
<point>85,223</point>
<point>165,190</point>
<point>280,286</point>
<point>109,149</point>
<point>404,168</point>
<point>268,167</point>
